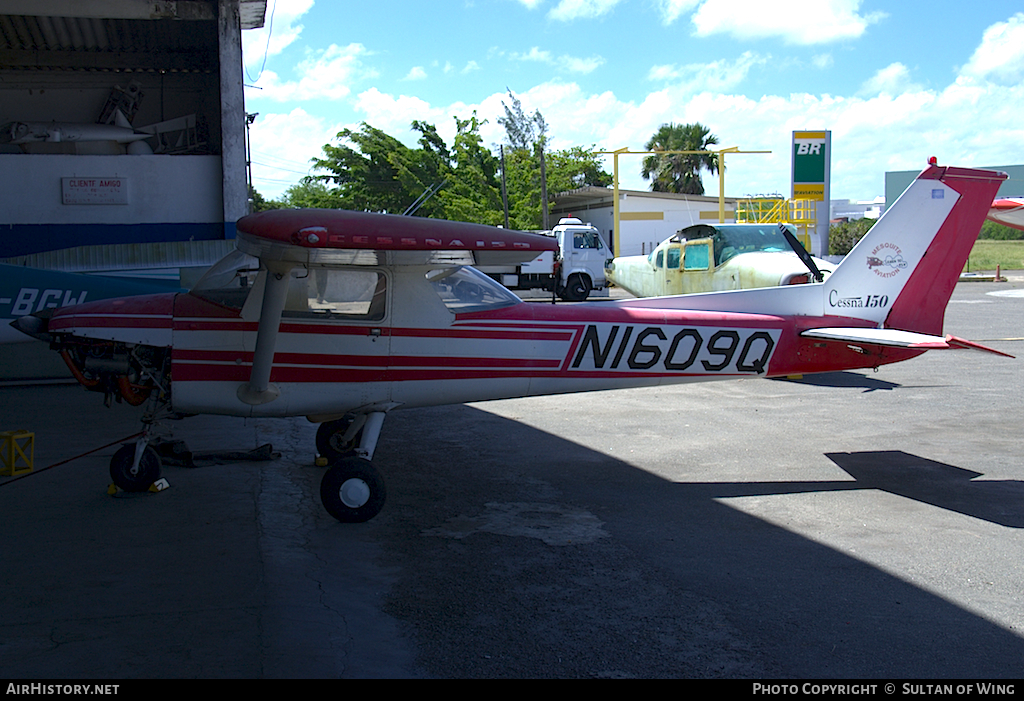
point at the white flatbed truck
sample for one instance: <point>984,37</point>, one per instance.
<point>572,273</point>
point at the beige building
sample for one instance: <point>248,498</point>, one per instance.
<point>646,218</point>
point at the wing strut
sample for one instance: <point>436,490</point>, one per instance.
<point>259,390</point>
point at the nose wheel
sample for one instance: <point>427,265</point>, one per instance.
<point>133,474</point>
<point>352,490</point>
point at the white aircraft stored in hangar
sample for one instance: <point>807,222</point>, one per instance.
<point>343,317</point>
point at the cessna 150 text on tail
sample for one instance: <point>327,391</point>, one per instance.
<point>342,317</point>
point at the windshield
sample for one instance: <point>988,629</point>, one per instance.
<point>466,289</point>
<point>732,240</point>
<point>229,281</point>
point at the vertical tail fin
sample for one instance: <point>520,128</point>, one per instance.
<point>902,273</point>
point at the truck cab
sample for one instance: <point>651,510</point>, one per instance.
<point>584,257</point>
<point>572,272</point>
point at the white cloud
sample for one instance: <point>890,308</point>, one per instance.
<point>717,75</point>
<point>283,144</point>
<point>534,54</point>
<point>568,10</point>
<point>279,31</point>
<point>573,64</point>
<point>893,79</point>
<point>394,114</point>
<point>822,61</point>
<point>1000,56</point>
<point>793,21</point>
<point>416,73</point>
<point>328,74</point>
<point>889,123</point>
<point>671,10</point>
<point>581,65</point>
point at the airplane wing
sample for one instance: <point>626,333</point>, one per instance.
<point>897,339</point>
<point>334,236</point>
<point>1008,211</point>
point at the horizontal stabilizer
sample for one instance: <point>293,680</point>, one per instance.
<point>896,339</point>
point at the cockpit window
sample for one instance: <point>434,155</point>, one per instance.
<point>316,292</point>
<point>466,289</point>
<point>732,240</point>
<point>336,293</point>
<point>229,281</point>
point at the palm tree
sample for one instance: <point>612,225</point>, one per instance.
<point>679,172</point>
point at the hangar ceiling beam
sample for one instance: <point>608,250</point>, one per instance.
<point>109,61</point>
<point>110,9</point>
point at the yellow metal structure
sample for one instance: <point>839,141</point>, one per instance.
<point>18,449</point>
<point>802,214</point>
<point>626,152</point>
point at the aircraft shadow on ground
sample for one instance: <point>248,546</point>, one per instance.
<point>911,476</point>
<point>811,609</point>
<point>843,379</point>
<point>682,584</point>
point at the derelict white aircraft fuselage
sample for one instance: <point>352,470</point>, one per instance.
<point>342,317</point>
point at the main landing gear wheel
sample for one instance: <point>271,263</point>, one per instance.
<point>331,443</point>
<point>352,490</point>
<point>140,480</point>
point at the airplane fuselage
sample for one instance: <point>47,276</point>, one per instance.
<point>421,353</point>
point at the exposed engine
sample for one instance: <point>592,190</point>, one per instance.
<point>123,372</point>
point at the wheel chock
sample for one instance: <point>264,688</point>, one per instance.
<point>18,448</point>
<point>158,486</point>
<point>320,461</point>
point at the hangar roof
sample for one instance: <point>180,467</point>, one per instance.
<point>117,35</point>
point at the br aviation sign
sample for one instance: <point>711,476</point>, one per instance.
<point>812,164</point>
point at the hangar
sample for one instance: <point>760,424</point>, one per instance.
<point>123,137</point>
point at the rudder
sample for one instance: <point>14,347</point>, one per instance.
<point>902,273</point>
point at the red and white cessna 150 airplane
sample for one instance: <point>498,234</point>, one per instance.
<point>342,317</point>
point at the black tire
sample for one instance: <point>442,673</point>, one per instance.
<point>329,443</point>
<point>121,469</point>
<point>352,490</point>
<point>577,288</point>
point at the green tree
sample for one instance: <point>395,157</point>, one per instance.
<point>567,169</point>
<point>261,203</point>
<point>679,173</point>
<point>473,191</point>
<point>368,170</point>
<point>575,167</point>
<point>378,173</point>
<point>998,232</point>
<point>311,192</point>
<point>842,237</point>
<point>523,132</point>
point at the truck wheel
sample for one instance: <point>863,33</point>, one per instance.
<point>576,289</point>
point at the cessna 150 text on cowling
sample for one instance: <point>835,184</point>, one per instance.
<point>342,317</point>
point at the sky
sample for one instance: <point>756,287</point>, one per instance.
<point>895,82</point>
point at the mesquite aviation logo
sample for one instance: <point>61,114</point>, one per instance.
<point>886,260</point>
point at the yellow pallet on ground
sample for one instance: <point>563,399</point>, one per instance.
<point>18,451</point>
